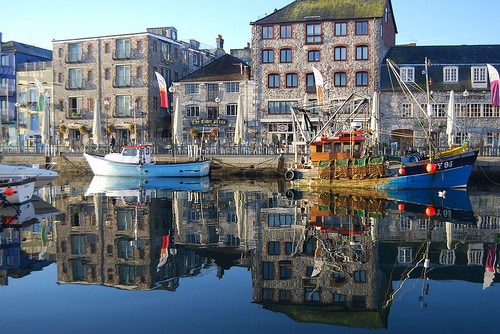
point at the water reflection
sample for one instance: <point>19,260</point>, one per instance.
<point>324,257</point>
<point>26,235</point>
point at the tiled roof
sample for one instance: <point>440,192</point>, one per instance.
<point>462,56</point>
<point>16,47</point>
<point>325,10</point>
<point>225,68</point>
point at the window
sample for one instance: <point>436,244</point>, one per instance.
<point>107,48</point>
<point>212,91</point>
<point>360,276</point>
<point>4,61</point>
<point>89,49</point>
<point>405,255</point>
<point>407,74</point>
<point>286,31</point>
<point>340,53</point>
<point>340,28</point>
<point>212,112</point>
<point>286,55</point>
<point>289,247</point>
<point>313,55</point>
<point>273,248</point>
<point>311,295</point>
<point>273,80</point>
<point>362,52</point>
<point>313,33</point>
<point>75,78</point>
<point>192,88</point>
<point>362,79</point>
<point>75,52</point>
<point>231,109</point>
<point>75,106</point>
<point>267,56</point>
<point>193,111</point>
<point>232,87</point>
<point>139,73</point>
<point>122,49</point>
<point>267,270</point>
<point>60,77</point>
<point>267,294</point>
<point>285,269</point>
<point>407,110</point>
<point>165,51</point>
<point>361,28</point>
<point>122,76</point>
<point>123,106</point>
<point>285,295</point>
<point>280,220</point>
<point>450,74</point>
<point>358,301</point>
<point>267,32</point>
<point>338,298</point>
<point>310,83</point>
<point>107,74</point>
<point>340,79</point>
<point>279,107</point>
<point>292,80</point>
<point>479,77</point>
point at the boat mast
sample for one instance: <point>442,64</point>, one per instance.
<point>429,108</point>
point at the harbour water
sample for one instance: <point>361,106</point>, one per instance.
<point>247,256</point>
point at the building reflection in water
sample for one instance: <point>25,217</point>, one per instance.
<point>317,257</point>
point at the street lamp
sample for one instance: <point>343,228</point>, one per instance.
<point>465,94</point>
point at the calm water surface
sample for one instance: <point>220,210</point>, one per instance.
<point>249,256</point>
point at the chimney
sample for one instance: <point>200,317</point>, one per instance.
<point>220,42</point>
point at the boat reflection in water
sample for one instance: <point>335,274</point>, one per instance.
<point>316,257</point>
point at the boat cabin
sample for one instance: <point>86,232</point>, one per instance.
<point>133,154</point>
<point>343,145</point>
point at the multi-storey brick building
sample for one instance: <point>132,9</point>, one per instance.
<point>113,77</point>
<point>345,40</point>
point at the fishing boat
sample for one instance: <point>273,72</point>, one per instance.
<point>42,176</point>
<point>340,155</point>
<point>17,191</point>
<point>136,160</point>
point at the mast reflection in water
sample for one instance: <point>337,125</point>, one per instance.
<point>322,259</point>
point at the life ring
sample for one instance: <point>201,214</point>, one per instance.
<point>290,175</point>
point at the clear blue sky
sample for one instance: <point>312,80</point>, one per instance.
<point>426,22</point>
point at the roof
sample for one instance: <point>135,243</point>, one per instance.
<point>325,10</point>
<point>462,56</point>
<point>225,68</point>
<point>30,50</point>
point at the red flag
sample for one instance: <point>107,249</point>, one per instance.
<point>494,85</point>
<point>163,90</point>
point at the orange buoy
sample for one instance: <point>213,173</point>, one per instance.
<point>402,171</point>
<point>430,211</point>
<point>401,206</point>
<point>9,191</point>
<point>431,168</point>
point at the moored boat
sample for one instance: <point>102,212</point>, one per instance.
<point>339,161</point>
<point>42,176</point>
<point>136,160</point>
<point>345,154</point>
